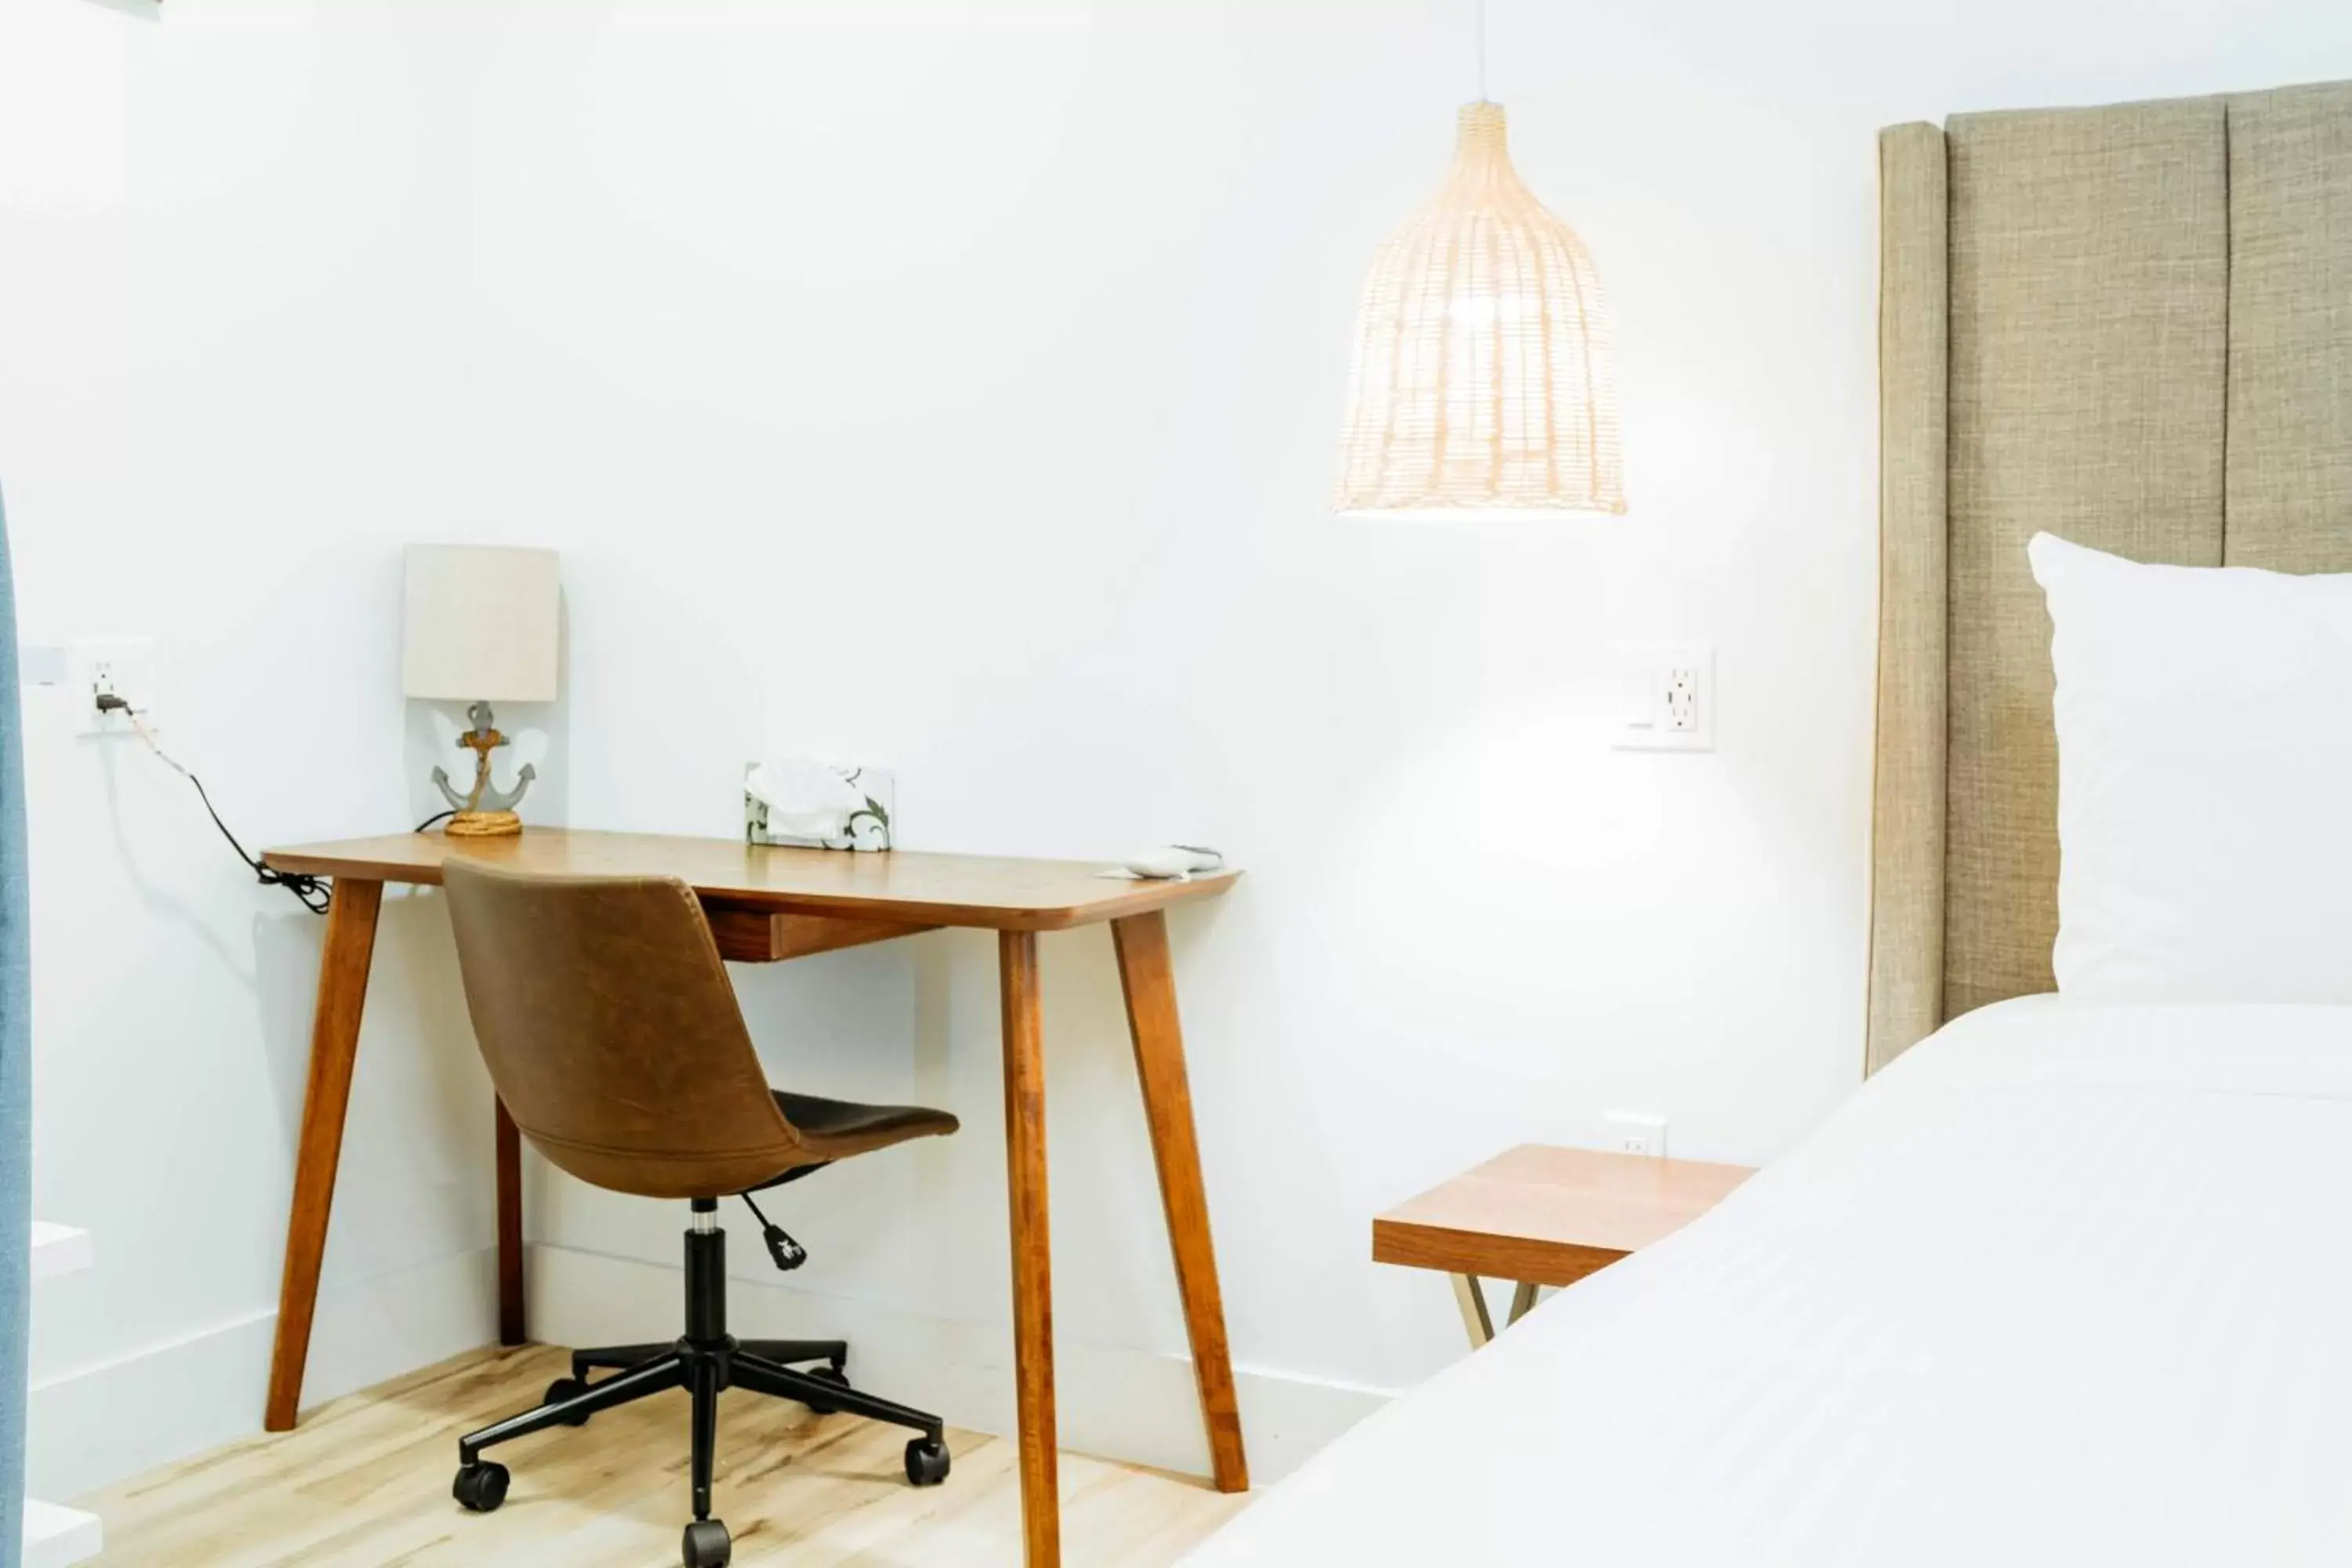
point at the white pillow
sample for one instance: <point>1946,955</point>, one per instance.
<point>2204,780</point>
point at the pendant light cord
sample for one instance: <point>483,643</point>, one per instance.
<point>1481,51</point>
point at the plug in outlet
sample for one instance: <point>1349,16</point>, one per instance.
<point>1665,697</point>
<point>115,666</point>
<point>1631,1132</point>
<point>1682,699</point>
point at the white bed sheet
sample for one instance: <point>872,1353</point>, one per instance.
<point>2064,1285</point>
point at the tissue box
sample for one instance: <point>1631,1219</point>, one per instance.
<point>868,828</point>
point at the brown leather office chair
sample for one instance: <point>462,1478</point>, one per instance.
<point>609,1027</point>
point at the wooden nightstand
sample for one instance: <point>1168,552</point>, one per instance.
<point>1540,1215</point>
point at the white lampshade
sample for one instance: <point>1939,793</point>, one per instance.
<point>480,623</point>
<point>1485,378</point>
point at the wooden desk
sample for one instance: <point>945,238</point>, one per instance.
<point>1542,1216</point>
<point>769,903</point>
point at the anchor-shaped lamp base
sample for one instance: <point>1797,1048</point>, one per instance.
<point>483,812</point>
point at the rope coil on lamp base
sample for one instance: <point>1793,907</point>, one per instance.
<point>483,825</point>
<point>1485,379</point>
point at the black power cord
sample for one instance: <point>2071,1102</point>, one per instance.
<point>315,893</point>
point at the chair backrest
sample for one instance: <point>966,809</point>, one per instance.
<point>606,1019</point>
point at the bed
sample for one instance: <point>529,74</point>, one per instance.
<point>2067,1285</point>
<point>2063,1284</point>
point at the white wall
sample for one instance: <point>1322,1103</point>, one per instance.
<point>233,334</point>
<point>958,393</point>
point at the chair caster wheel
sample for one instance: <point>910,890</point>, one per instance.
<point>565,1388</point>
<point>833,1375</point>
<point>481,1486</point>
<point>707,1545</point>
<point>926,1462</point>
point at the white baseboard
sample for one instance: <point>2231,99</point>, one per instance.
<point>59,1537</point>
<point>1116,1403</point>
<point>91,1425</point>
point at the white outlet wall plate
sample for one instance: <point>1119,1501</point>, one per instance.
<point>43,664</point>
<point>1634,1133</point>
<point>125,667</point>
<point>1665,697</point>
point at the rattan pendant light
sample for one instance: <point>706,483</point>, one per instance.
<point>1483,377</point>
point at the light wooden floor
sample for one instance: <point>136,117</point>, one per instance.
<point>364,1483</point>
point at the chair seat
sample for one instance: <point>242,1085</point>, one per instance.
<point>835,1129</point>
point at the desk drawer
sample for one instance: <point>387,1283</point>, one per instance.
<point>764,936</point>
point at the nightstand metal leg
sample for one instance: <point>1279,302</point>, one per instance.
<point>1471,1297</point>
<point>1523,1301</point>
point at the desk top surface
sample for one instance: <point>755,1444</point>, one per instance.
<point>908,885</point>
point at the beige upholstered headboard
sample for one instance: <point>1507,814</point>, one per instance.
<point>2131,326</point>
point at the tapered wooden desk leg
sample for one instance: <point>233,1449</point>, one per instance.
<point>510,1323</point>
<point>1032,1285</point>
<point>334,1046</point>
<point>1148,978</point>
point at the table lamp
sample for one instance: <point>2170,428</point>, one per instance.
<point>480,628</point>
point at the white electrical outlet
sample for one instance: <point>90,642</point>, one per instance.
<point>115,666</point>
<point>1682,699</point>
<point>1665,697</point>
<point>1633,1133</point>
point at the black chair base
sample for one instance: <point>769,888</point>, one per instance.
<point>704,1361</point>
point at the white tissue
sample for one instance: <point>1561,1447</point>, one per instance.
<point>805,799</point>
